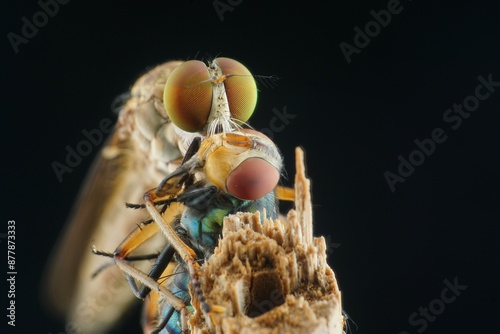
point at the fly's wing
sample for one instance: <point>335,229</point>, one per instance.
<point>59,281</point>
<point>140,152</point>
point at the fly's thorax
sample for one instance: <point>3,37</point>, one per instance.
<point>151,117</point>
<point>154,138</point>
<point>145,123</point>
<point>184,138</point>
<point>152,83</point>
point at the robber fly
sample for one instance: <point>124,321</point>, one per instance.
<point>167,109</point>
<point>236,171</point>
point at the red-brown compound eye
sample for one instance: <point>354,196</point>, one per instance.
<point>252,179</point>
<point>255,133</point>
<point>241,89</point>
<point>188,96</point>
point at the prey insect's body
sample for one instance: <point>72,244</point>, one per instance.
<point>240,172</point>
<point>179,281</point>
<point>168,107</point>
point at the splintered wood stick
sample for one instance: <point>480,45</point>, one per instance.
<point>271,276</point>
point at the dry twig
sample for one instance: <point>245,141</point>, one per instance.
<point>272,277</point>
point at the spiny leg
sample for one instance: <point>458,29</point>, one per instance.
<point>152,284</point>
<point>153,318</point>
<point>162,261</point>
<point>122,253</point>
<point>158,314</point>
<point>146,230</point>
<point>185,252</point>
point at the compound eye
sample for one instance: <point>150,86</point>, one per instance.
<point>252,179</point>
<point>255,133</point>
<point>241,89</point>
<point>188,96</point>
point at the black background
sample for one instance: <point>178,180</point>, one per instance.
<point>391,251</point>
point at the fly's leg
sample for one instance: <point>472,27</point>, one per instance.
<point>152,284</point>
<point>163,323</point>
<point>141,235</point>
<point>151,309</point>
<point>149,282</point>
<point>122,253</point>
<point>157,315</point>
<point>161,263</point>
<point>285,193</point>
<point>185,252</point>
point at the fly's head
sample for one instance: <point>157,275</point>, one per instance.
<point>206,100</point>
